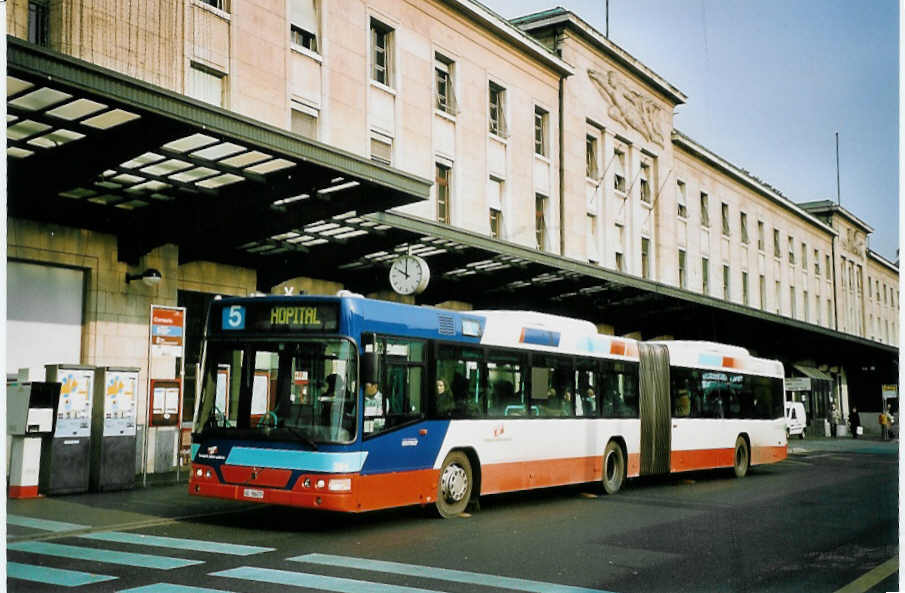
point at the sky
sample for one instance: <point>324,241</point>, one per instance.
<point>770,82</point>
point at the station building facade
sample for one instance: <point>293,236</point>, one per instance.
<point>537,132</point>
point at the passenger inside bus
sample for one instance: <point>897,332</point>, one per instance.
<point>374,410</point>
<point>443,404</point>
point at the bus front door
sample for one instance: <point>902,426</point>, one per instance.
<point>656,426</point>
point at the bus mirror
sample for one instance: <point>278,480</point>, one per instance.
<point>370,371</point>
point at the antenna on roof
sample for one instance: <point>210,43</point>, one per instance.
<point>838,196</point>
<point>607,19</point>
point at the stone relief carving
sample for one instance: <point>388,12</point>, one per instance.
<point>629,107</point>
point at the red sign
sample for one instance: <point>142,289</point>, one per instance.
<point>168,328</point>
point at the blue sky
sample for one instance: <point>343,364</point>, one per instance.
<point>769,82</point>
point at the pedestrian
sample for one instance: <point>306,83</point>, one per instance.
<point>855,421</point>
<point>884,425</point>
<point>834,419</point>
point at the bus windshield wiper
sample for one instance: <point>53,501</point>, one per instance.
<point>301,436</point>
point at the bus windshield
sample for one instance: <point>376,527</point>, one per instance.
<point>288,390</point>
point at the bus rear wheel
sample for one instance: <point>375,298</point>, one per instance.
<point>613,468</point>
<point>742,457</point>
<point>454,485</point>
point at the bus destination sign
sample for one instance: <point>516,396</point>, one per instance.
<point>265,316</point>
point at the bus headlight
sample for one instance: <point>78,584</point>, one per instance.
<point>340,485</point>
<point>198,472</point>
<point>319,484</point>
<point>307,483</point>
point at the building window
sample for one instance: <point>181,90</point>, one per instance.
<point>303,23</point>
<point>39,23</point>
<point>645,257</point>
<point>381,148</point>
<point>446,95</point>
<point>443,194</point>
<point>791,251</point>
<point>705,275</point>
<point>496,222</point>
<point>804,304</point>
<point>743,227</point>
<point>645,183</point>
<point>381,53</point>
<point>705,210</point>
<point>591,156</point>
<point>540,132</point>
<point>760,235</point>
<point>205,85</point>
<point>744,288</point>
<point>304,120</point>
<point>827,267</point>
<point>804,257</point>
<point>777,251</point>
<point>218,4</point>
<point>817,308</point>
<point>726,278</point>
<point>792,302</point>
<point>593,255</point>
<point>540,220</point>
<point>682,207</point>
<point>683,273</point>
<point>763,292</point>
<point>497,110</point>
<point>778,296</point>
<point>620,237</point>
<point>829,313</point>
<point>620,262</point>
<point>724,210</point>
<point>816,263</point>
<point>619,175</point>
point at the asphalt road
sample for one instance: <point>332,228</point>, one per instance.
<point>816,522</point>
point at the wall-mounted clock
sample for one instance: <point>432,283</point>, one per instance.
<point>409,274</point>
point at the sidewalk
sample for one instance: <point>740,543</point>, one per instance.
<point>865,444</point>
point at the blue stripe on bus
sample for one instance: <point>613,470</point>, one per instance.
<point>710,360</point>
<point>175,542</point>
<point>299,460</point>
<point>171,588</point>
<point>100,555</point>
<point>314,581</point>
<point>44,524</point>
<point>53,576</point>
<point>441,574</point>
<point>541,337</point>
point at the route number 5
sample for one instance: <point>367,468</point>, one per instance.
<point>234,317</point>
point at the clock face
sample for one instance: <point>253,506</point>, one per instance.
<point>409,274</point>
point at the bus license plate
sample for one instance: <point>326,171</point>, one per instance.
<point>252,493</point>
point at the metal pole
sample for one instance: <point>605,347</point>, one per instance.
<point>607,19</point>
<point>838,195</point>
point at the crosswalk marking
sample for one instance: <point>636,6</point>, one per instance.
<point>99,555</point>
<point>314,581</point>
<point>53,576</point>
<point>43,524</point>
<point>175,542</point>
<point>171,588</point>
<point>443,574</point>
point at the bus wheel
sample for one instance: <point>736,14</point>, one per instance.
<point>742,457</point>
<point>454,485</point>
<point>613,468</point>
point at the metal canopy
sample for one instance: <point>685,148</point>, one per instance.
<point>92,148</point>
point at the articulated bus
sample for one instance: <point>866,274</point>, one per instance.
<point>352,404</point>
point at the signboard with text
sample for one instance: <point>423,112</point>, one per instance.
<point>167,331</point>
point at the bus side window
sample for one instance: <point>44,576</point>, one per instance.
<point>619,386</point>
<point>401,383</point>
<point>462,371</point>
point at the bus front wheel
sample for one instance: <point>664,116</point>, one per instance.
<point>613,468</point>
<point>454,485</point>
<point>742,457</point>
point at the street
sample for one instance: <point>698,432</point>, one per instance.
<point>816,522</point>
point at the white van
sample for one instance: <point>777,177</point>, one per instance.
<point>796,420</point>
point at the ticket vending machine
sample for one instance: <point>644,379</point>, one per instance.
<point>65,456</point>
<point>30,414</point>
<point>113,434</point>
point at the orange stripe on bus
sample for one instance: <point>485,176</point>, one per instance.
<point>241,474</point>
<point>729,362</point>
<point>525,475</point>
<point>617,348</point>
